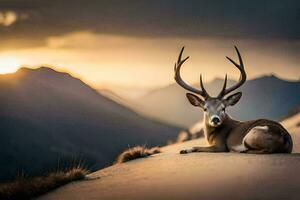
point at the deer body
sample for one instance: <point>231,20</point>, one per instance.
<point>257,136</point>
<point>225,134</point>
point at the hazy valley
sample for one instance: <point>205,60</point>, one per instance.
<point>263,97</point>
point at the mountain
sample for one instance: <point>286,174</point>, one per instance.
<point>263,97</point>
<point>116,98</point>
<point>50,119</point>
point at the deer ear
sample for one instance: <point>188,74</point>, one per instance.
<point>233,99</point>
<point>195,100</point>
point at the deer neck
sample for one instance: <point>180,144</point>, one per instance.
<point>212,132</point>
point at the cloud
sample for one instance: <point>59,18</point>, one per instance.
<point>155,19</point>
<point>7,18</point>
<point>105,59</point>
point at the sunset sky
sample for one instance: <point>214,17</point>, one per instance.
<point>134,44</point>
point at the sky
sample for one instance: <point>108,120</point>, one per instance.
<point>134,44</point>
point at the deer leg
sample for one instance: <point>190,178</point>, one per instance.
<point>210,149</point>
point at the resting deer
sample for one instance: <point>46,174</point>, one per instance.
<point>225,134</point>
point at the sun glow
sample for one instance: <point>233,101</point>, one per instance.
<point>9,65</point>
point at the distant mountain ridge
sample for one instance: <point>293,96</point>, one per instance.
<point>263,97</point>
<point>47,116</point>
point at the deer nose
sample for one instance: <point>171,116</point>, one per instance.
<point>215,119</point>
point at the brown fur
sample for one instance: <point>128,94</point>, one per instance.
<point>28,188</point>
<point>281,140</point>
<point>231,133</point>
<point>135,153</point>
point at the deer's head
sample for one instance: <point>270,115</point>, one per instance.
<point>214,107</point>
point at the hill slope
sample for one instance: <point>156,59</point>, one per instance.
<point>50,119</point>
<point>214,176</point>
<point>264,97</point>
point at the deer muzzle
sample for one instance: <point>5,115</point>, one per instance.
<point>215,121</point>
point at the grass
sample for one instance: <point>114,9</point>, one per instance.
<point>135,153</point>
<point>28,188</point>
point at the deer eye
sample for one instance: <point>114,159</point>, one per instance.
<point>205,109</point>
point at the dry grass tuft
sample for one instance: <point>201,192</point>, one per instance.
<point>135,153</point>
<point>28,188</point>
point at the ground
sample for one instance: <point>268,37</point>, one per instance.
<point>208,176</point>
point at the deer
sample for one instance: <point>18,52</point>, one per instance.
<point>222,132</point>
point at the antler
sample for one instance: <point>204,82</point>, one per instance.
<point>242,78</point>
<point>179,80</point>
